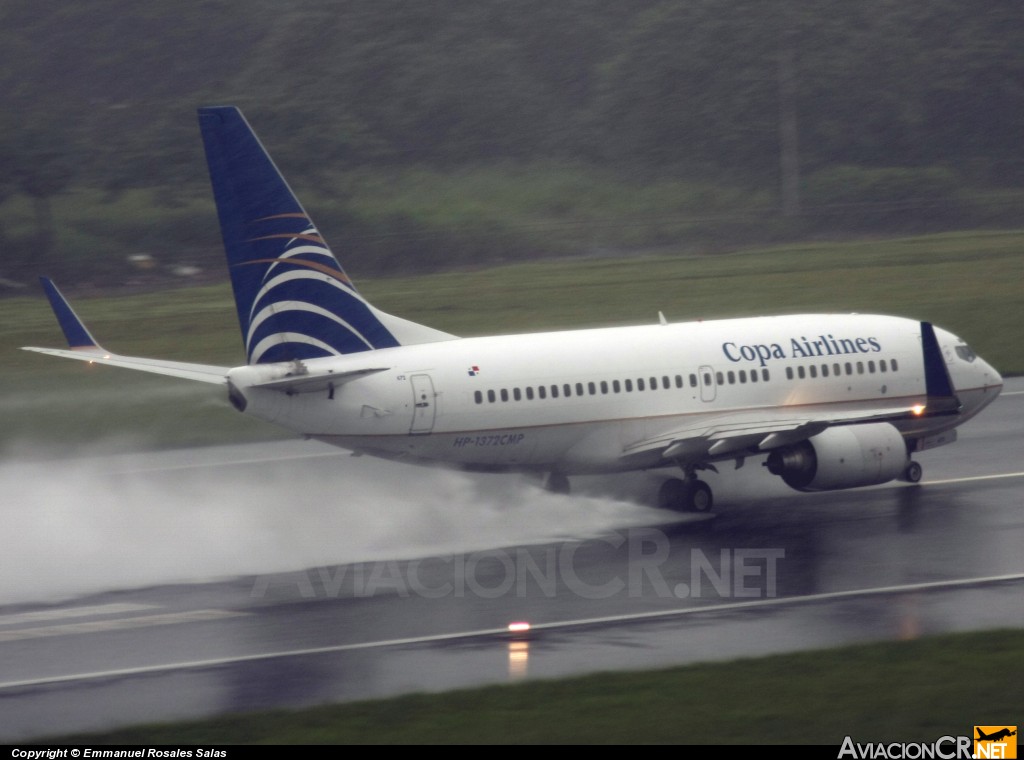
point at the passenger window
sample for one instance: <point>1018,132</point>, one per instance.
<point>679,381</point>
<point>849,368</point>
<point>719,378</point>
<point>629,386</point>
<point>529,392</point>
<point>604,386</point>
<point>707,379</point>
<point>800,372</point>
<point>640,384</point>
<point>616,386</point>
<point>567,390</point>
<point>764,375</point>
<point>743,376</point>
<point>540,391</point>
<point>824,370</point>
<point>894,367</point>
<point>860,368</point>
<point>554,391</point>
<point>516,394</point>
<point>871,366</point>
<point>579,389</point>
<point>490,396</point>
<point>882,367</point>
<point>504,394</point>
<point>654,383</point>
<point>592,388</point>
<point>693,380</point>
<point>814,370</point>
<point>789,373</point>
<point>732,377</point>
<point>478,397</point>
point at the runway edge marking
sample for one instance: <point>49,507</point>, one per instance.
<point>970,478</point>
<point>32,616</point>
<point>503,632</point>
<point>117,624</point>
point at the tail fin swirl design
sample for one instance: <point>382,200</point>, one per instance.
<point>293,298</point>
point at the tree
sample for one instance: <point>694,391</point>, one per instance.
<point>41,167</point>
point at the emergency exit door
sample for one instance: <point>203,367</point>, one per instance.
<point>424,407</point>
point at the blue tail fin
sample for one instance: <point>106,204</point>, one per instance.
<point>294,300</point>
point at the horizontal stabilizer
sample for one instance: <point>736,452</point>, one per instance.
<point>313,383</point>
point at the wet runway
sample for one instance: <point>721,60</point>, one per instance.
<point>195,583</point>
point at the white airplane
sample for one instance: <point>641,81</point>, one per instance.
<point>832,401</point>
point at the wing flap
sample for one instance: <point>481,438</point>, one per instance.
<point>724,437</point>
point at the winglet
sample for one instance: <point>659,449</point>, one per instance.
<point>942,396</point>
<point>78,336</point>
<point>85,348</point>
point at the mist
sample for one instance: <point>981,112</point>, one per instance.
<point>81,526</point>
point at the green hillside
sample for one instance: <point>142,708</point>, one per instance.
<point>430,135</point>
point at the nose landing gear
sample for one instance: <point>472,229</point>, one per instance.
<point>912,473</point>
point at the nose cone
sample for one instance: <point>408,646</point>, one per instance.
<point>991,379</point>
<point>986,384</point>
<point>975,381</point>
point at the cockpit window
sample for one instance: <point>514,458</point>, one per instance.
<point>965,353</point>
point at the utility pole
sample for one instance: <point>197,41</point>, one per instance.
<point>789,147</point>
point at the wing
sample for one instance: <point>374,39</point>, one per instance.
<point>82,346</point>
<point>732,435</point>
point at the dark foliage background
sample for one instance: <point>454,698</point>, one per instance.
<point>431,134</point>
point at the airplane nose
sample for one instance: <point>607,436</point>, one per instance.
<point>993,378</point>
<point>991,382</point>
<point>983,387</point>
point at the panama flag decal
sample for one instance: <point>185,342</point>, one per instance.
<point>474,371</point>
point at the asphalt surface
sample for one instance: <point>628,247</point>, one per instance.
<point>186,584</point>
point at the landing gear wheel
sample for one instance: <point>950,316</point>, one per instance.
<point>700,498</point>
<point>672,495</point>
<point>685,496</point>
<point>556,482</point>
<point>913,472</point>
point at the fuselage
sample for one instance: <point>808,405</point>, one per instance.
<point>580,401</point>
<point>831,401</point>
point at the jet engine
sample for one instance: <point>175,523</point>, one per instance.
<point>842,457</point>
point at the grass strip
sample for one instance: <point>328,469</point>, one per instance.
<point>916,690</point>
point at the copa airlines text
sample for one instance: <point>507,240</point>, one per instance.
<point>826,345</point>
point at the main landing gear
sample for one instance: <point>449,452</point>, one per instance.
<point>690,495</point>
<point>556,482</point>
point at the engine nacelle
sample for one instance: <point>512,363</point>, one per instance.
<point>842,457</point>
